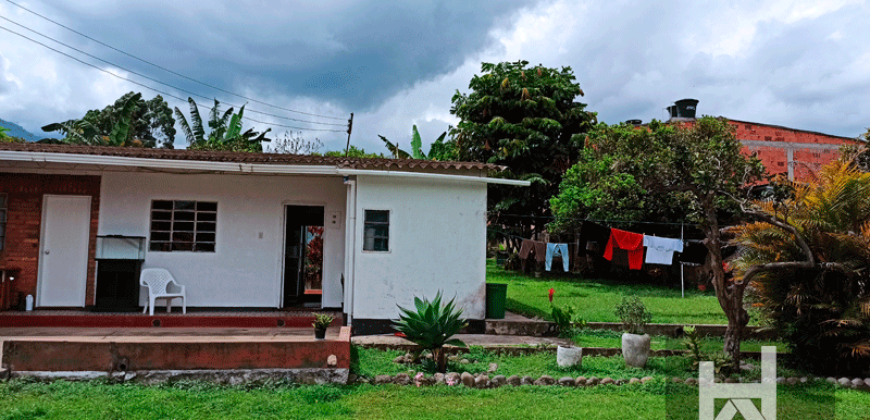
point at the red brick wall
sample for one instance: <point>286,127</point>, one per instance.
<point>21,248</point>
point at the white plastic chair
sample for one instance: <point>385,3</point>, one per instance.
<point>158,280</point>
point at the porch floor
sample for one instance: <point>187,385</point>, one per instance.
<point>193,319</point>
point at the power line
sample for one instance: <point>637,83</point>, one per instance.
<point>154,89</point>
<point>168,70</point>
<point>158,81</point>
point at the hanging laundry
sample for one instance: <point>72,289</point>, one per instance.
<point>694,252</point>
<point>557,250</point>
<point>629,241</point>
<point>540,251</point>
<point>593,232</point>
<point>525,248</point>
<point>661,250</point>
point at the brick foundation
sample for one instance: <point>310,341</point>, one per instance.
<point>21,248</point>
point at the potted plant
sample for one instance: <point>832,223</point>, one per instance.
<point>635,342</point>
<point>321,323</point>
<point>501,255</point>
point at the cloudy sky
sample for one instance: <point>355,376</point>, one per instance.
<point>799,64</point>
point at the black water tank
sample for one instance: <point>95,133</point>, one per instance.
<point>634,122</point>
<point>686,108</point>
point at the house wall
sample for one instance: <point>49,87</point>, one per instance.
<point>437,243</point>
<point>246,268</point>
<point>24,218</point>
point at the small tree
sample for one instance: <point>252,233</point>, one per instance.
<point>700,165</point>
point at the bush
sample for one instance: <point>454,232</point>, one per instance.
<point>633,314</point>
<point>824,311</point>
<point>431,327</point>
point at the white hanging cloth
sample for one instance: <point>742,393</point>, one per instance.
<point>661,250</point>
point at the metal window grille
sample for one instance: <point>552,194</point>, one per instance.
<point>180,225</point>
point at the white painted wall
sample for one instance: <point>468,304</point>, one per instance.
<point>245,270</point>
<point>437,242</point>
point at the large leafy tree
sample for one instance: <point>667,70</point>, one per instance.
<point>528,119</point>
<point>225,130</point>
<point>808,261</point>
<point>700,166</point>
<point>130,121</point>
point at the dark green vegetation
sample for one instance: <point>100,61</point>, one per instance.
<point>655,400</point>
<point>595,300</point>
<point>431,326</point>
<point>130,121</point>
<point>224,130</point>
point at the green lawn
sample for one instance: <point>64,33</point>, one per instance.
<point>656,400</point>
<point>613,339</point>
<point>596,299</point>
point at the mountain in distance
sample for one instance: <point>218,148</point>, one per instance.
<point>16,130</point>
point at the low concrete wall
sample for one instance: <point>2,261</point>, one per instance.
<point>226,377</point>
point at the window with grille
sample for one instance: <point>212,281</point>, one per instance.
<point>3,198</point>
<point>178,225</point>
<point>376,231</point>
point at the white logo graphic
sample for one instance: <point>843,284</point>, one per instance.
<point>739,396</point>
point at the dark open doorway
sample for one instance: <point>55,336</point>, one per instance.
<point>303,256</point>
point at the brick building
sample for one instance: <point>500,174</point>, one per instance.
<point>797,153</point>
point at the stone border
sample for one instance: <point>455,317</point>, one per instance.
<point>545,328</point>
<point>225,377</point>
<point>483,381</point>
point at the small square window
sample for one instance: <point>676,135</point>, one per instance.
<point>376,230</point>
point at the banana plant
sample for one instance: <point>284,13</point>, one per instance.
<point>436,151</point>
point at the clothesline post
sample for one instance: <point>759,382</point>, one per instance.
<point>682,268</point>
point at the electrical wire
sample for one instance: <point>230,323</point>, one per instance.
<point>154,89</point>
<point>168,70</point>
<point>158,81</point>
<point>594,220</point>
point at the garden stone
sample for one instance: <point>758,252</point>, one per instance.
<point>691,381</point>
<point>717,380</point>
<point>634,381</point>
<point>607,381</point>
<point>566,381</point>
<point>804,379</point>
<point>635,349</point>
<point>452,377</point>
<point>492,367</point>
<point>403,379</point>
<point>439,378</point>
<point>831,380</point>
<point>351,378</point>
<point>513,380</point>
<point>482,381</point>
<point>580,381</point>
<point>545,380</point>
<point>646,379</point>
<point>527,380</point>
<point>467,379</point>
<point>746,366</point>
<point>867,381</point>
<point>857,383</point>
<point>498,380</point>
<point>465,361</point>
<point>592,381</point>
<point>567,356</point>
<point>730,381</point>
<point>780,380</point>
<point>844,381</point>
<point>677,380</point>
<point>792,381</point>
<point>399,359</point>
<point>383,379</point>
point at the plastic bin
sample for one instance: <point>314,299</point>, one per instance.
<point>496,297</point>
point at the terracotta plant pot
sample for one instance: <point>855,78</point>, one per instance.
<point>702,287</point>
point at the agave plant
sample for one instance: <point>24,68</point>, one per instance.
<point>431,326</point>
<point>823,311</point>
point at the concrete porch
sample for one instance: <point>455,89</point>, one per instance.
<point>157,354</point>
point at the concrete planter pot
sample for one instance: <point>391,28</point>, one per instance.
<point>569,356</point>
<point>635,349</point>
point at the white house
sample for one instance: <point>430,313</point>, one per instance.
<point>245,230</point>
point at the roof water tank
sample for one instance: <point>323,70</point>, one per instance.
<point>686,108</point>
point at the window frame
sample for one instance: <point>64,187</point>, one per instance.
<point>4,219</point>
<point>388,235</point>
<point>172,244</point>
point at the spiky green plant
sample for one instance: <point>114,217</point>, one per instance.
<point>820,303</point>
<point>431,325</point>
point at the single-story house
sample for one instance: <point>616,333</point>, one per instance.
<point>242,230</point>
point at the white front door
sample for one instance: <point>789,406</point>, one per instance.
<point>63,251</point>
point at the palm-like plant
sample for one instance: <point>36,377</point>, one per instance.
<point>439,150</point>
<point>85,131</point>
<point>431,327</point>
<point>225,129</point>
<point>822,309</point>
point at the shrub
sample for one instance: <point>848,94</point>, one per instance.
<point>633,314</point>
<point>431,327</point>
<point>823,312</point>
<point>565,318</point>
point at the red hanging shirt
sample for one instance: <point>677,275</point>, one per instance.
<point>629,241</point>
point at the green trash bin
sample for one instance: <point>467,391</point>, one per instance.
<point>496,297</point>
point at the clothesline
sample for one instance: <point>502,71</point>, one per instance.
<point>596,220</point>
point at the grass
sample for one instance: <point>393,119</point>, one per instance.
<point>595,300</point>
<point>613,339</point>
<point>656,400</point>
